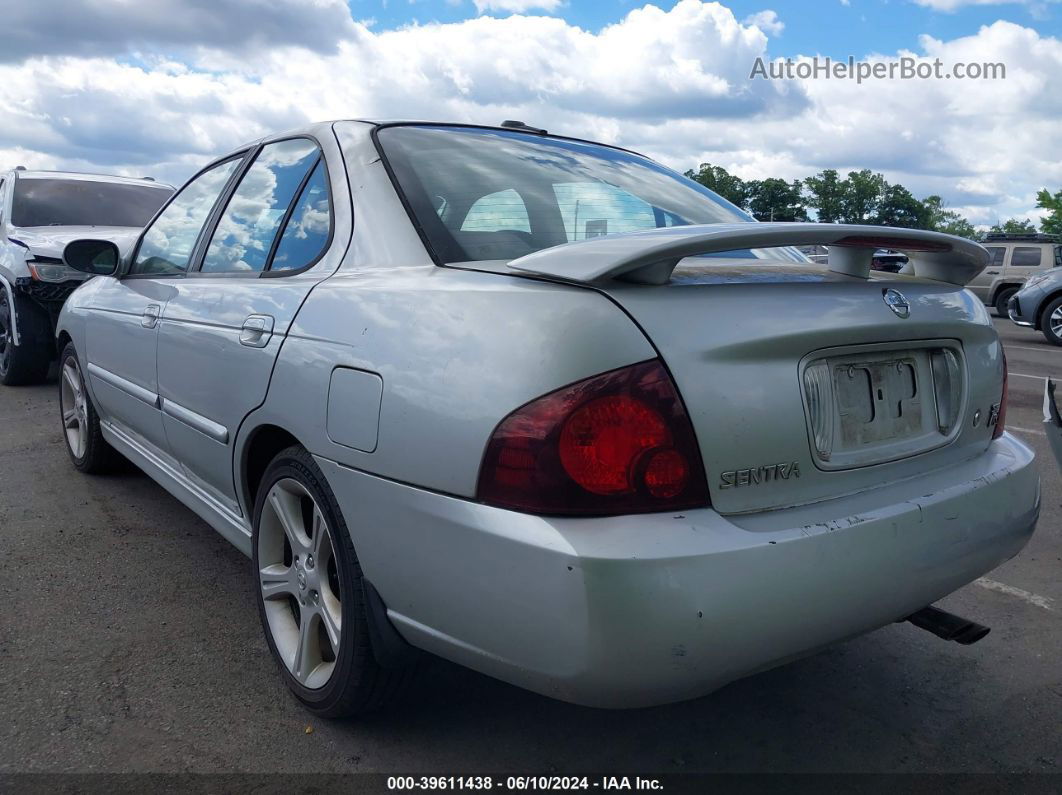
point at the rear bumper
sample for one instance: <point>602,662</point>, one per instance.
<point>641,610</point>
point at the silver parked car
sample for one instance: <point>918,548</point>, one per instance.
<point>40,212</point>
<point>547,409</point>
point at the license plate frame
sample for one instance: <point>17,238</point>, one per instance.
<point>872,427</point>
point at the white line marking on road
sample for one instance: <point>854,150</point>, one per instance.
<point>1032,598</point>
<point>1025,430</point>
<point>1037,377</point>
<point>1030,347</point>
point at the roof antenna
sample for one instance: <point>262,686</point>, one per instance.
<point>512,124</point>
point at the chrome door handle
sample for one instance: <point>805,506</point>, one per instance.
<point>992,273</point>
<point>257,331</point>
<point>150,318</point>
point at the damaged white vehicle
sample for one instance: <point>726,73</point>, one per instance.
<point>40,212</point>
<point>547,409</point>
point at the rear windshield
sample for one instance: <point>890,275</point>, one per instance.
<point>81,202</point>
<point>481,194</point>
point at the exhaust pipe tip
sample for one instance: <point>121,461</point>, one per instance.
<point>972,633</point>
<point>948,625</point>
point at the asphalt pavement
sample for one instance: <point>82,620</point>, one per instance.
<point>129,641</point>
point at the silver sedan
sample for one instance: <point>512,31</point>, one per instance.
<point>547,409</point>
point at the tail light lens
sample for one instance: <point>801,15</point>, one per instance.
<point>947,386</point>
<point>818,387</point>
<point>1001,417</point>
<point>620,442</point>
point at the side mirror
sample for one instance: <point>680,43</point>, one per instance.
<point>95,257</point>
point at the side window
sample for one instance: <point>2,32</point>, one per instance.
<point>1,201</point>
<point>496,212</point>
<point>591,209</point>
<point>1025,257</point>
<point>169,243</point>
<point>995,259</point>
<point>245,233</point>
<point>1058,256</point>
<point>309,227</point>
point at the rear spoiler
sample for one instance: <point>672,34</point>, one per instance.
<point>649,257</point>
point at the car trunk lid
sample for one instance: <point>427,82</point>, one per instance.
<point>806,382</point>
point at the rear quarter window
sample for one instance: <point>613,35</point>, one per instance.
<point>1025,257</point>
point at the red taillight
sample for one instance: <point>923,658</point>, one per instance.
<point>1001,418</point>
<point>619,442</point>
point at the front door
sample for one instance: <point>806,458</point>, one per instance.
<point>223,326</point>
<point>122,323</point>
<point>982,283</point>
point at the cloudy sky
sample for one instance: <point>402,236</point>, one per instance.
<point>157,87</point>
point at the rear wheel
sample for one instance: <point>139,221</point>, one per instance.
<point>27,362</point>
<point>81,425</point>
<point>1051,321</point>
<point>1003,299</point>
<point>311,594</point>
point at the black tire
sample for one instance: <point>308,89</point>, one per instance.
<point>27,362</point>
<point>98,457</point>
<point>1002,299</point>
<point>1045,321</point>
<point>358,683</point>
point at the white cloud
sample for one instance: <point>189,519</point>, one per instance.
<point>516,6</point>
<point>673,84</point>
<point>949,6</point>
<point>767,21</point>
<point>74,27</point>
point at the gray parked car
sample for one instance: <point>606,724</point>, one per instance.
<point>1039,304</point>
<point>40,212</point>
<point>496,395</point>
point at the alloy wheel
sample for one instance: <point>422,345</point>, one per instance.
<point>74,406</point>
<point>299,580</point>
<point>1055,321</point>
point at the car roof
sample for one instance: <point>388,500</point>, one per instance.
<point>322,127</point>
<point>87,177</point>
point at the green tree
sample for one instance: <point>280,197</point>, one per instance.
<point>941,219</point>
<point>1052,222</point>
<point>862,194</point>
<point>775,199</point>
<point>1014,226</point>
<point>718,179</point>
<point>897,207</point>
<point>826,195</point>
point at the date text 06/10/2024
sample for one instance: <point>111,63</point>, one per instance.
<point>521,783</point>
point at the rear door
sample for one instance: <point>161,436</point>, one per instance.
<point>224,323</point>
<point>122,322</point>
<point>982,284</point>
<point>1026,261</point>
